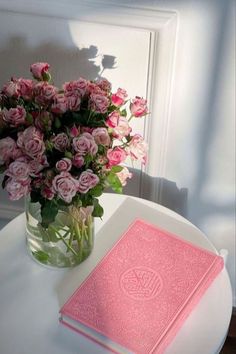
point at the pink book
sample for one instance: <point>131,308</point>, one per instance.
<point>138,296</point>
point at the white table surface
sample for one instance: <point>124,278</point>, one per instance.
<point>31,295</point>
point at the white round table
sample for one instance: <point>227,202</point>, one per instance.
<point>31,295</point>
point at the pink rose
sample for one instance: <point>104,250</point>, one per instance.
<point>12,88</point>
<point>30,141</point>
<point>14,116</point>
<point>119,97</point>
<point>64,164</point>
<point>65,186</point>
<point>47,193</point>
<point>37,165</point>
<point>43,120</point>
<point>25,88</point>
<point>7,148</point>
<point>76,87</point>
<point>16,154</point>
<point>85,144</point>
<point>40,71</point>
<point>101,136</point>
<point>137,148</point>
<point>86,130</point>
<point>123,175</point>
<point>44,93</point>
<point>87,180</point>
<point>93,88</point>
<point>59,103</point>
<point>37,183</point>
<point>116,156</point>
<point>119,124</point>
<point>73,102</point>
<point>78,160</point>
<point>17,189</point>
<point>99,103</point>
<point>103,84</point>
<point>60,142</point>
<point>113,119</point>
<point>122,129</point>
<point>18,170</point>
<point>74,131</point>
<point>138,107</point>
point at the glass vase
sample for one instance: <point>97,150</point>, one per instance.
<point>66,242</point>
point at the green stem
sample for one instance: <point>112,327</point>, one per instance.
<point>86,234</point>
<point>90,114</point>
<point>79,238</point>
<point>80,241</point>
<point>90,232</point>
<point>130,118</point>
<point>70,239</point>
<point>66,234</point>
<point>64,241</point>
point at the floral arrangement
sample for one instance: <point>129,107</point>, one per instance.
<point>65,146</point>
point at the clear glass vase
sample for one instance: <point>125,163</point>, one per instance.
<point>66,242</point>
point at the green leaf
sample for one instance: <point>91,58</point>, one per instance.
<point>61,203</point>
<point>97,190</point>
<point>49,211</point>
<point>41,256</point>
<point>87,160</point>
<point>46,76</point>
<point>86,199</point>
<point>57,123</point>
<point>52,235</point>
<point>49,145</point>
<point>101,149</point>
<point>114,182</point>
<point>77,201</point>
<point>98,209</point>
<point>117,168</point>
<point>123,113</point>
<point>29,118</point>
<point>117,189</point>
<point>68,154</point>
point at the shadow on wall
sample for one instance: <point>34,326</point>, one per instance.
<point>158,190</point>
<point>167,194</point>
<point>66,63</point>
<point>202,208</point>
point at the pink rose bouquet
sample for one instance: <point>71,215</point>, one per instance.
<point>64,146</point>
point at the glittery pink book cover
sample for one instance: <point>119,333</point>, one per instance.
<point>141,292</point>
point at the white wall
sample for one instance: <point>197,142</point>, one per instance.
<point>201,143</point>
<point>199,147</point>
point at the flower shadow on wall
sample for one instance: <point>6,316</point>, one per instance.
<point>66,63</point>
<point>158,190</point>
